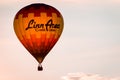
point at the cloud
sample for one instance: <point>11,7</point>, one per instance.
<point>84,76</point>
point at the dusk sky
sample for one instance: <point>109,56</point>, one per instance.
<point>90,42</point>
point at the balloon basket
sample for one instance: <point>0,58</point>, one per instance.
<point>40,68</point>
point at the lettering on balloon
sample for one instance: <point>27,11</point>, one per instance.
<point>49,26</point>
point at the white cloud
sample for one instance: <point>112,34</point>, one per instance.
<point>83,76</point>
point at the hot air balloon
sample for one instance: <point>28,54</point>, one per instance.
<point>38,27</point>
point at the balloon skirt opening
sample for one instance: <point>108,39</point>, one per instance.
<point>40,68</point>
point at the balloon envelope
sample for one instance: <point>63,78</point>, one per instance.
<point>38,27</point>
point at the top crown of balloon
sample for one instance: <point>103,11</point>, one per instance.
<point>37,9</point>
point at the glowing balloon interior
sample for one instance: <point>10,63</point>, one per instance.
<point>38,27</point>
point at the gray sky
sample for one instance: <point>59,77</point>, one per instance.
<point>90,42</point>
